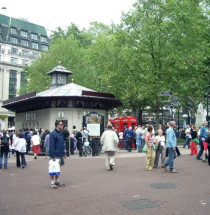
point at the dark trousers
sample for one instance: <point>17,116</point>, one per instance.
<point>67,147</point>
<point>79,147</point>
<point>23,160</point>
<point>209,154</point>
<point>72,146</point>
<point>129,144</point>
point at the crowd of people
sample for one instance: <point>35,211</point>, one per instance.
<point>60,143</point>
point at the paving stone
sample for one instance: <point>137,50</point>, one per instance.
<point>163,186</point>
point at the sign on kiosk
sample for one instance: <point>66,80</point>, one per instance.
<point>94,123</point>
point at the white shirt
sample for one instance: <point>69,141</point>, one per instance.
<point>20,145</point>
<point>35,140</point>
<point>188,130</point>
<point>139,131</point>
<point>162,140</point>
<point>143,133</point>
<point>121,135</point>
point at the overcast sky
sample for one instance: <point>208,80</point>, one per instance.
<point>54,13</point>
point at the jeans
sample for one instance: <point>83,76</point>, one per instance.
<point>121,143</point>
<point>126,143</point>
<point>201,149</point>
<point>5,155</point>
<point>170,160</point>
<point>138,141</point>
<point>129,144</point>
<point>23,160</point>
<point>187,142</point>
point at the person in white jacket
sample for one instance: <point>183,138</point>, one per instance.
<point>109,140</point>
<point>20,147</point>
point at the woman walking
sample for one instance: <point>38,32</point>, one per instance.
<point>193,144</point>
<point>35,144</point>
<point>150,149</point>
<point>20,147</point>
<point>160,148</point>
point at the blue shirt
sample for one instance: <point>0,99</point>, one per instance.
<point>57,147</point>
<point>204,132</point>
<point>170,138</point>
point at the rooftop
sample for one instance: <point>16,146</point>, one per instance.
<point>22,24</point>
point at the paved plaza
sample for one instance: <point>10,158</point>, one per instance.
<point>92,190</point>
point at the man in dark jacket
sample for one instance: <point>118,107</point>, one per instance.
<point>66,139</point>
<point>57,150</point>
<point>4,144</point>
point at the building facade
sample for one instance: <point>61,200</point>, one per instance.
<point>21,42</point>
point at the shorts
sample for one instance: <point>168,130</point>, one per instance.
<point>205,145</point>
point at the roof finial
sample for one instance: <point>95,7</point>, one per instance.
<point>72,80</point>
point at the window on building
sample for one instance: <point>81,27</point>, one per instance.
<point>43,39</point>
<point>34,36</point>
<point>13,60</point>
<point>24,34</point>
<point>0,57</point>
<point>43,47</point>
<point>22,79</point>
<point>14,51</point>
<point>12,84</point>
<point>25,53</point>
<point>34,45</point>
<point>24,62</point>
<point>24,43</point>
<point>35,55</point>
<point>13,40</point>
<point>13,31</point>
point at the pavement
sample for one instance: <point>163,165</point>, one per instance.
<point>92,190</point>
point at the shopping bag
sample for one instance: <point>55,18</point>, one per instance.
<point>144,148</point>
<point>54,167</point>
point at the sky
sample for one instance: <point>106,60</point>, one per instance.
<point>61,13</point>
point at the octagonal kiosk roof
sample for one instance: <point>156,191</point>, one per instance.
<point>60,91</point>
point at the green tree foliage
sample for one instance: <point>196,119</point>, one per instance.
<point>159,45</point>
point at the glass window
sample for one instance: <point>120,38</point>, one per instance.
<point>0,57</point>
<point>24,34</point>
<point>24,43</point>
<point>13,40</point>
<point>35,55</point>
<point>34,37</point>
<point>13,60</point>
<point>24,62</point>
<point>34,45</point>
<point>22,79</point>
<point>14,51</point>
<point>25,53</point>
<point>43,47</point>
<point>13,31</point>
<point>43,39</point>
<point>12,84</point>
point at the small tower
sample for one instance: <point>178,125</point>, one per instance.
<point>59,76</point>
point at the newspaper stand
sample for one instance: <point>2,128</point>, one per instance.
<point>95,125</point>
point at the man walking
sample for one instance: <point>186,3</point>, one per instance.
<point>171,145</point>
<point>109,141</point>
<point>57,151</point>
<point>188,137</point>
<point>203,135</point>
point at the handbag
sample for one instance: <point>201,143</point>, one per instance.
<point>144,148</point>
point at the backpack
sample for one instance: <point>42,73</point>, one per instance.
<point>5,143</point>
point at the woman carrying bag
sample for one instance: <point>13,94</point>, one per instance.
<point>150,154</point>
